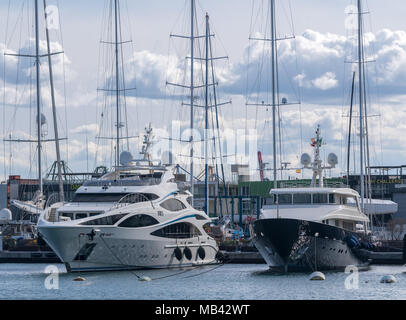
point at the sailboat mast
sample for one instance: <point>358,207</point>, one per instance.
<point>350,127</point>
<point>51,80</point>
<point>206,145</point>
<point>37,65</point>
<point>192,51</point>
<point>117,84</point>
<point>361,103</point>
<point>273,42</point>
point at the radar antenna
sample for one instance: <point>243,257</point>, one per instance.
<point>317,164</point>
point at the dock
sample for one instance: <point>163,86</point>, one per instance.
<point>243,257</point>
<point>252,256</point>
<point>28,257</point>
<point>393,258</point>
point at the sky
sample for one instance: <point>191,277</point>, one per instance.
<point>312,70</point>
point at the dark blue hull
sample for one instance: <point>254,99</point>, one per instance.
<point>299,245</point>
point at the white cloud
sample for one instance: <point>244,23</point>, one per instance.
<point>326,81</point>
<point>91,129</point>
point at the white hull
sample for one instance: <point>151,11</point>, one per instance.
<point>122,249</point>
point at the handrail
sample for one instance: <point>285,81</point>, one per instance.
<point>136,196</point>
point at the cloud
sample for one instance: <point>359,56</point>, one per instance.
<point>326,81</point>
<point>24,67</point>
<point>89,129</point>
<point>315,62</point>
<point>321,75</point>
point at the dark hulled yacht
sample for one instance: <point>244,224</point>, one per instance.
<point>315,228</point>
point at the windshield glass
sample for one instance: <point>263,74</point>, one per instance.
<point>114,197</point>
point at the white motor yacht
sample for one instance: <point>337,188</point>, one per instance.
<point>137,216</point>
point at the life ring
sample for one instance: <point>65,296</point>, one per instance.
<point>188,253</point>
<point>178,253</point>
<point>201,253</point>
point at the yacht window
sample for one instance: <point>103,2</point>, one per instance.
<point>173,205</point>
<point>269,201</point>
<point>81,215</point>
<point>284,199</point>
<point>182,230</point>
<point>113,197</point>
<point>320,198</point>
<point>92,214</point>
<point>138,221</point>
<point>199,217</point>
<point>106,221</point>
<point>67,214</point>
<point>301,198</point>
<point>331,198</point>
<point>348,225</point>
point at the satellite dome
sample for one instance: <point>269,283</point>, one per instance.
<point>5,215</point>
<point>305,159</point>
<point>125,158</point>
<point>284,101</point>
<point>332,159</point>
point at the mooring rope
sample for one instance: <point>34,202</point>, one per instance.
<point>158,278</point>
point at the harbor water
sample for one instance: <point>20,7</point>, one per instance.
<point>233,281</point>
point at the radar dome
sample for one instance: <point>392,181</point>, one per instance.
<point>5,215</point>
<point>332,159</point>
<point>305,159</point>
<point>125,158</point>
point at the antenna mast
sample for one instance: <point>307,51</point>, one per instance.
<point>117,86</point>
<point>206,136</point>
<point>192,41</point>
<point>349,128</point>
<point>274,80</point>
<point>37,65</point>
<point>51,80</point>
<point>361,102</point>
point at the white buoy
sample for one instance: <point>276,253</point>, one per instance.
<point>317,275</point>
<point>79,278</point>
<point>145,278</point>
<point>388,279</point>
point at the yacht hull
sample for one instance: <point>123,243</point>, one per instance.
<point>115,248</point>
<point>299,245</point>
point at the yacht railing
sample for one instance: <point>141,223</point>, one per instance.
<point>130,199</point>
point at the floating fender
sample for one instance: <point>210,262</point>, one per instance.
<point>317,275</point>
<point>367,245</point>
<point>388,279</point>
<point>201,253</point>
<point>188,253</point>
<point>178,253</point>
<point>79,278</point>
<point>145,278</point>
